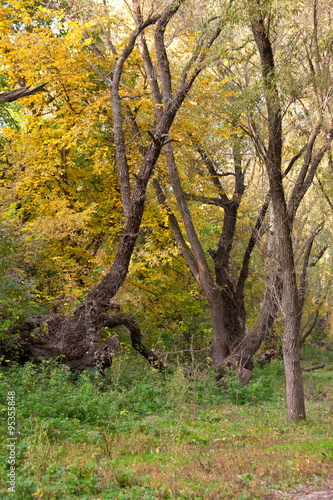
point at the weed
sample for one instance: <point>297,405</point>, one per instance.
<point>138,434</point>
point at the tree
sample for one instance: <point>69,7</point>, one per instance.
<point>231,343</point>
<point>318,126</point>
<point>290,304</point>
<point>77,338</point>
<point>206,185</point>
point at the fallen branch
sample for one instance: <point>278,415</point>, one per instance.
<point>312,368</point>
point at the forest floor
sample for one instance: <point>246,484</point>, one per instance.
<point>305,493</point>
<point>139,434</point>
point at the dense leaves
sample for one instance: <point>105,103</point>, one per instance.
<point>60,156</point>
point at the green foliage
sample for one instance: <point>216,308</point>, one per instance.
<point>82,437</point>
<point>19,297</point>
<point>260,389</point>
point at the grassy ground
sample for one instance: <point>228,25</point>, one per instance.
<point>141,435</point>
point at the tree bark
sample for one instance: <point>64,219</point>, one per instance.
<point>14,95</point>
<point>45,338</point>
<point>290,302</point>
<point>194,255</point>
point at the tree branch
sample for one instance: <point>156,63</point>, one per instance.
<point>117,118</point>
<point>162,58</point>
<point>204,199</point>
<point>13,95</point>
<point>117,319</point>
<point>303,276</point>
<point>187,254</point>
<point>214,176</point>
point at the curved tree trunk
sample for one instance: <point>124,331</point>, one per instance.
<point>77,339</point>
<point>47,338</point>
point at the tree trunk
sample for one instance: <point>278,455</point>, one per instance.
<point>77,339</point>
<point>49,338</point>
<point>290,303</point>
<point>220,342</point>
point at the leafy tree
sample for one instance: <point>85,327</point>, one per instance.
<point>79,336</point>
<point>254,127</point>
<point>240,97</point>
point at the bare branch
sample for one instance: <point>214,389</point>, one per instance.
<point>324,193</point>
<point>199,55</point>
<point>294,160</point>
<point>117,319</point>
<point>303,277</point>
<point>308,333</point>
<point>204,199</point>
<point>213,174</point>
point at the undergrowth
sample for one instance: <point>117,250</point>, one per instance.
<point>141,434</point>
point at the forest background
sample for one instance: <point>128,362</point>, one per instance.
<point>178,160</point>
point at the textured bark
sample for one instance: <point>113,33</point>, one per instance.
<point>290,301</point>
<point>242,355</point>
<point>77,339</point>
<point>48,338</point>
<point>87,320</point>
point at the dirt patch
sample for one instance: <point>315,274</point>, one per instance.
<point>305,493</point>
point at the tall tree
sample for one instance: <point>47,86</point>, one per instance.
<point>77,338</point>
<point>290,304</point>
<point>231,342</point>
<point>314,99</point>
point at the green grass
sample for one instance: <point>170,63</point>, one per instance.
<point>138,434</point>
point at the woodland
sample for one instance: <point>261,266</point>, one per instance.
<point>166,205</point>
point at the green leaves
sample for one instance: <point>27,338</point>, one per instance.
<point>19,298</point>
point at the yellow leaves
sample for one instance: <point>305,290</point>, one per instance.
<point>87,42</point>
<point>38,52</point>
<point>61,222</point>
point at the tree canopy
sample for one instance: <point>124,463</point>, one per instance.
<point>175,156</point>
